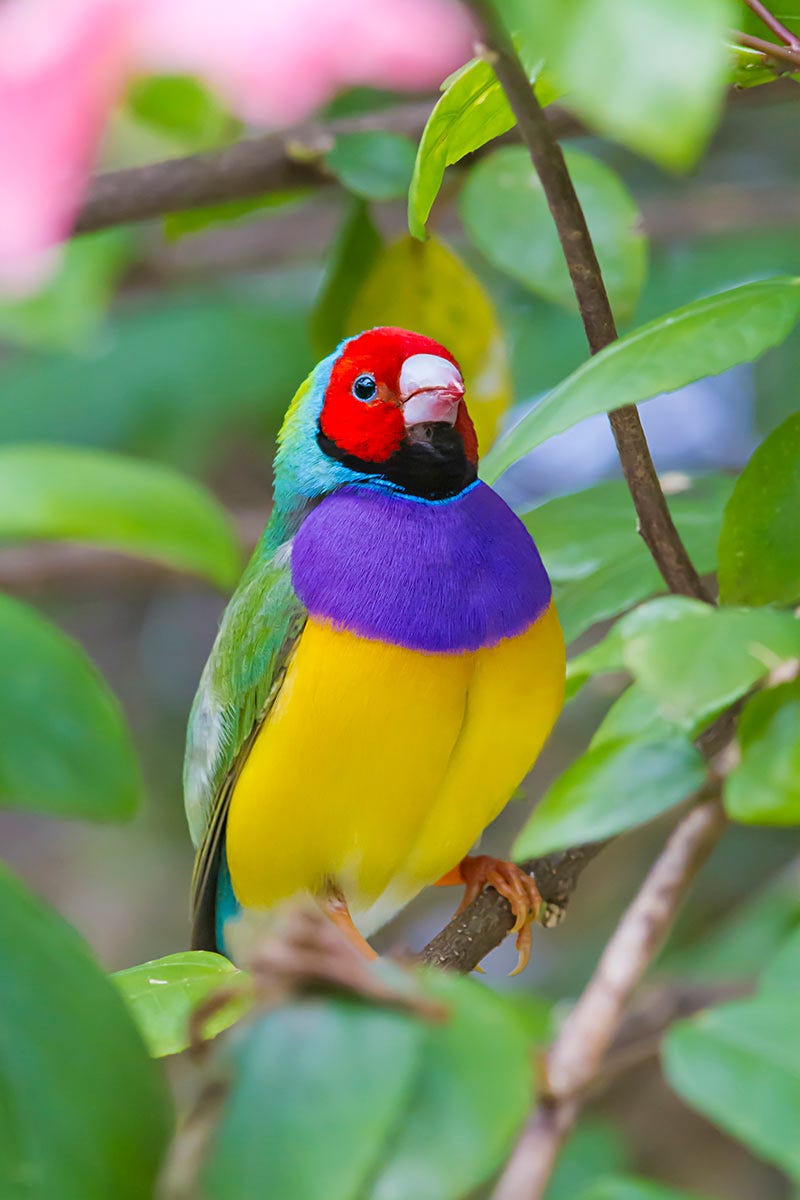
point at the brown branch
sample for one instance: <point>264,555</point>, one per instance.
<point>579,1050</point>
<point>248,168</point>
<point>655,522</point>
<point>269,163</point>
<point>772,22</point>
<point>471,935</point>
<point>781,54</point>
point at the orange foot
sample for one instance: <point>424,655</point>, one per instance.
<point>335,907</point>
<point>481,870</point>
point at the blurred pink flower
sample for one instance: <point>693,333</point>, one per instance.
<point>274,61</point>
<point>64,63</point>
<point>61,68</point>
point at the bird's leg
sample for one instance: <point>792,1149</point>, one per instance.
<point>482,870</point>
<point>334,906</point>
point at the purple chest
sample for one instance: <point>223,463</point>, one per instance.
<point>441,577</point>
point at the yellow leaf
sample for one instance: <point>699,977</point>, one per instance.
<point>423,286</point>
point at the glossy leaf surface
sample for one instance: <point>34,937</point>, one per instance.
<point>162,995</point>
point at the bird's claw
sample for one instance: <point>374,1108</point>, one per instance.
<point>515,885</point>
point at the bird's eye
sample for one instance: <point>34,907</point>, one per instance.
<point>364,387</point>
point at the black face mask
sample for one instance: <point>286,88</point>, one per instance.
<point>430,461</point>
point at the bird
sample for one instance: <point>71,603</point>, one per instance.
<point>387,670</point>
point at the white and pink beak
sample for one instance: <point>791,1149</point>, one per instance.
<point>431,388</point>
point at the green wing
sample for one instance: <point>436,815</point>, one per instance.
<point>259,630</point>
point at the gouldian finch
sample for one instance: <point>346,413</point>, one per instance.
<point>388,669</point>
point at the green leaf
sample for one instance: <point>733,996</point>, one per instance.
<point>664,105</point>
<point>782,974</point>
<point>353,255</point>
<point>468,1102</point>
<point>336,1100</point>
<point>374,165</point>
<point>759,550</point>
<point>692,658</point>
<point>65,314</point>
<point>700,339</point>
<point>181,107</point>
<point>162,995</point>
<point>506,215</point>
<point>607,656</point>
<point>595,557</point>
<point>424,286</point>
<point>626,1187</point>
<point>739,1065</point>
<point>635,715</point>
<point>764,787</point>
<point>696,659</point>
<point>615,785</point>
<point>85,1113</point>
<point>64,746</point>
<point>319,1087</point>
<point>470,112</point>
<point>129,505</point>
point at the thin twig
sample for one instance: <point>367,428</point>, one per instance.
<point>655,522</point>
<point>585,1037</point>
<point>783,54</point>
<point>588,1031</point>
<point>772,22</point>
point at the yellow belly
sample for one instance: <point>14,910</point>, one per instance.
<point>379,767</point>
